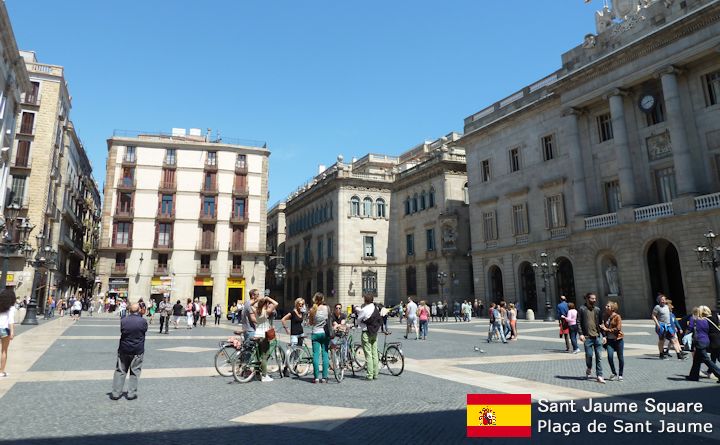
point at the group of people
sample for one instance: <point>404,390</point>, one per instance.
<point>74,305</point>
<point>503,322</point>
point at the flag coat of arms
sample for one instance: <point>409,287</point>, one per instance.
<point>499,415</point>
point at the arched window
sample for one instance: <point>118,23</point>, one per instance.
<point>466,194</point>
<point>423,200</point>
<point>431,200</point>
<point>380,208</point>
<point>415,203</point>
<point>407,206</point>
<point>354,206</point>
<point>367,206</point>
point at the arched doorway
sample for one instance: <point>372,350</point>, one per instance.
<point>565,279</point>
<point>496,284</point>
<point>528,287</point>
<point>665,274</point>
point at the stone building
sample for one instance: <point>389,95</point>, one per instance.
<point>349,228</point>
<point>184,216</point>
<point>611,165</point>
<point>275,275</point>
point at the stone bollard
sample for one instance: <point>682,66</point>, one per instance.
<point>529,315</point>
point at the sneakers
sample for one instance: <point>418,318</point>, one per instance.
<point>706,374</point>
<point>612,377</point>
<point>620,379</point>
<point>588,372</point>
<point>600,379</point>
<point>266,378</point>
<point>576,351</point>
<point>131,397</point>
<point>664,357</point>
<point>682,356</point>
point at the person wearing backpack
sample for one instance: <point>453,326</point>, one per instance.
<point>495,326</point>
<point>370,323</point>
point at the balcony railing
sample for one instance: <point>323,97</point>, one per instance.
<point>167,186</point>
<point>127,212</point>
<point>207,246</point>
<point>236,246</point>
<point>238,219</point>
<point>600,221</point>
<point>204,270</point>
<point>129,159</point>
<point>163,246</point>
<point>558,233</point>
<point>170,163</point>
<point>207,217</point>
<point>236,271</point>
<point>22,160</point>
<point>241,168</point>
<point>126,183</point>
<point>240,190</point>
<point>122,245</point>
<point>31,99</point>
<point>211,165</point>
<point>166,215</point>
<point>654,211</point>
<point>160,270</point>
<point>707,202</point>
<point>209,189</point>
<point>27,130</point>
<point>118,269</point>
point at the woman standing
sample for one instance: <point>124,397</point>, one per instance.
<point>264,308</point>
<point>296,318</point>
<point>320,341</point>
<point>423,315</point>
<point>571,319</point>
<point>203,314</point>
<point>151,310</point>
<point>700,326</point>
<point>612,329</point>
<point>218,313</point>
<point>7,325</point>
<point>512,318</point>
<point>189,313</point>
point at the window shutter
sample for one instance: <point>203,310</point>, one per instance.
<point>160,199</point>
<point>561,210</point>
<point>130,234</point>
<point>157,233</point>
<point>547,212</point>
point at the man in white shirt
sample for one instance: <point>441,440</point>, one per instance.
<point>370,322</point>
<point>411,314</point>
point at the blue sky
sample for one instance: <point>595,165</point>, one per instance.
<point>312,78</point>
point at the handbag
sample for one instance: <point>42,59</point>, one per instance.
<point>270,334</point>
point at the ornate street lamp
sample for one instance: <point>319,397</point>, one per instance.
<point>442,279</point>
<point>13,238</point>
<point>280,272</point>
<point>708,256</point>
<point>45,258</point>
<point>547,269</point>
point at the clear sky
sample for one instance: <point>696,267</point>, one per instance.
<point>312,78</point>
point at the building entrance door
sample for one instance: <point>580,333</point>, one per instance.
<point>528,287</point>
<point>663,265</point>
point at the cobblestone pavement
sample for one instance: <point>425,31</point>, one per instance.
<point>59,393</point>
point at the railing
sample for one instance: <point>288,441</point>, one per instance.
<point>236,246</point>
<point>241,190</point>
<point>491,244</point>
<point>599,221</point>
<point>27,129</point>
<point>207,216</point>
<point>118,269</point>
<point>166,214</point>
<point>124,212</point>
<point>212,188</point>
<point>241,168</point>
<point>521,240</point>
<point>31,99</point>
<point>168,186</point>
<point>163,135</point>
<point>237,271</point>
<point>654,211</point>
<point>129,159</point>
<point>170,162</point>
<point>22,160</point>
<point>238,219</point>
<point>167,245</point>
<point>558,233</point>
<point>126,183</point>
<point>119,245</point>
<point>43,68</point>
<point>204,270</point>
<point>707,202</point>
<point>207,246</point>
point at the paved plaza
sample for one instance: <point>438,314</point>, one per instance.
<point>61,373</point>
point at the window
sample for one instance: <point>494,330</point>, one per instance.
<point>407,206</point>
<point>485,170</point>
<point>237,262</point>
<point>163,260</point>
<point>612,196</point>
<point>514,159</point>
<point>431,272</point>
<point>711,85</point>
<point>122,233</point>
<point>330,247</point>
<point>330,277</point>
<point>166,204</point>
<point>423,200</point>
<point>22,156</point>
<point>33,96</point>
<point>128,175</point>
<point>354,206</point>
<point>241,161</point>
<point>212,158</point>
<point>367,207</point>
<point>125,202</point>
<point>129,154</point>
<point>209,183</point>
<point>27,123</point>
<point>369,283</point>
<point>548,147</point>
<point>414,206</point>
<point>554,212</point>
<point>466,194</point>
<point>605,130</point>
<point>519,217</point>
<point>17,193</point>
<point>239,208</point>
<point>205,262</point>
<point>238,237</point>
<point>319,281</point>
<point>430,239</point>
<point>380,208</point>
<point>489,226</point>
<point>431,198</point>
<point>164,234</point>
<point>657,114</point>
<point>411,280</point>
<point>410,243</point>
<point>170,156</point>
<point>120,258</point>
<point>665,183</point>
<point>307,254</point>
<point>208,208</point>
<point>320,249</point>
<point>369,246</point>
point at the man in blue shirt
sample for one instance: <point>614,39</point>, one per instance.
<point>560,310</point>
<point>130,353</point>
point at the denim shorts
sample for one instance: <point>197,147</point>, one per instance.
<point>4,332</point>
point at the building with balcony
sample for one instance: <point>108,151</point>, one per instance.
<point>611,165</point>
<point>174,222</point>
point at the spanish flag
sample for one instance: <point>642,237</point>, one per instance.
<point>499,415</point>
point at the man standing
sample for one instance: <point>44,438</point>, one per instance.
<point>246,318</point>
<point>164,313</point>
<point>130,353</point>
<point>589,321</point>
<point>665,328</point>
<point>370,323</point>
<point>411,314</point>
<point>561,311</point>
<point>196,312</point>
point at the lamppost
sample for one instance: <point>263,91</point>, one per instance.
<point>442,279</point>
<point>45,258</point>
<point>546,269</point>
<point>14,239</point>
<point>708,256</point>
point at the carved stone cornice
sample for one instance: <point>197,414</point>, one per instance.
<point>670,69</point>
<point>555,182</point>
<point>517,192</point>
<point>488,201</point>
<point>623,92</point>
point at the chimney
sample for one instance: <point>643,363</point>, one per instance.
<point>321,168</point>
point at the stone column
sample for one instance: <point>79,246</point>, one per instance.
<point>620,136</point>
<point>684,177</point>
<point>575,151</point>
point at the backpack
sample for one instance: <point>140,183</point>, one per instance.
<point>374,322</point>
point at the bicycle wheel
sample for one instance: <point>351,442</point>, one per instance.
<point>274,366</point>
<point>394,360</point>
<point>224,359</point>
<point>350,359</point>
<point>280,358</point>
<point>243,368</point>
<point>360,361</point>
<point>338,370</point>
<point>304,363</point>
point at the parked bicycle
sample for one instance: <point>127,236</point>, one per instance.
<point>390,356</point>
<point>247,364</point>
<point>227,353</point>
<point>342,356</point>
<point>299,358</point>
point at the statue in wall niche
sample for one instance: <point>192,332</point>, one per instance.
<point>611,274</point>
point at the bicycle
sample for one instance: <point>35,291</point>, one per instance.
<point>248,363</point>
<point>392,356</point>
<point>299,358</point>
<point>341,355</point>
<point>227,353</point>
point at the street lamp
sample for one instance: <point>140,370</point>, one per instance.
<point>442,279</point>
<point>708,256</point>
<point>13,239</point>
<point>546,269</point>
<point>45,258</point>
